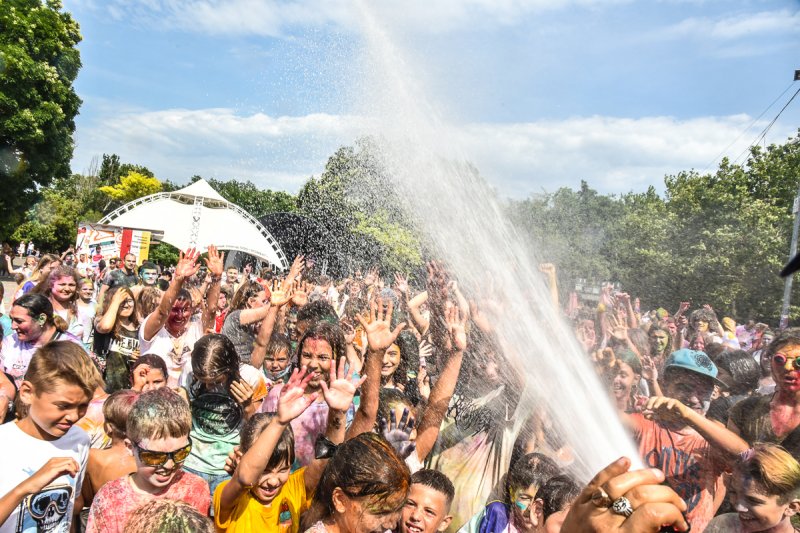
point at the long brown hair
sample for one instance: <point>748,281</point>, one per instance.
<point>134,316</point>
<point>366,467</point>
<point>246,290</point>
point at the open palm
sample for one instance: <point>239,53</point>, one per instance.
<point>339,394</point>
<point>293,401</point>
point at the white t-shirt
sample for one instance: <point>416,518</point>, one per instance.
<point>15,355</point>
<point>51,508</point>
<point>176,352</point>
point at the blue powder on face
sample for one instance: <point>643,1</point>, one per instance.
<point>521,505</point>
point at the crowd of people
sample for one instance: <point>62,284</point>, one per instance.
<point>205,398</point>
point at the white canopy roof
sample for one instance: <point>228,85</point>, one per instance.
<point>197,216</point>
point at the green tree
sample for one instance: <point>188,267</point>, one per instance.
<point>131,186</point>
<point>51,223</point>
<point>164,254</point>
<point>39,62</point>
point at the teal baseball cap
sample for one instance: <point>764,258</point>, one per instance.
<point>693,361</point>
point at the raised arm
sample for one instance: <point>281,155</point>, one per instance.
<point>442,392</point>
<point>379,338</point>
<point>105,322</point>
<point>279,297</point>
<point>291,404</point>
<point>216,264</point>
<point>339,397</point>
<point>721,438</point>
<point>187,267</point>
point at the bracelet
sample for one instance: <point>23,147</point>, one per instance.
<point>216,279</point>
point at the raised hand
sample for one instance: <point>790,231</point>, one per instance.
<point>398,434</point>
<point>296,269</point>
<point>456,322</point>
<point>339,394</point>
<point>401,283</point>
<point>300,297</point>
<point>281,294</point>
<point>649,370</point>
<point>379,336</point>
<point>187,264</point>
<point>665,409</point>
<point>242,392</point>
<point>293,400</point>
<point>215,261</point>
<point>424,383</point>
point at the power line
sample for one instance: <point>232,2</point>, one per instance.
<point>748,127</point>
<point>763,134</point>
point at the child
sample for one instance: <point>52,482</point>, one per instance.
<point>277,363</point>
<point>168,516</point>
<point>262,495</point>
<point>114,462</point>
<point>149,372</point>
<point>222,396</point>
<point>554,500</point>
<point>517,512</point>
<point>765,491</point>
<point>43,455</point>
<point>675,436</point>
<point>158,438</point>
<point>427,508</point>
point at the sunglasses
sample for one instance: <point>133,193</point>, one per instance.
<point>780,360</point>
<point>151,458</point>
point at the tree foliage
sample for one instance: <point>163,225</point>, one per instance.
<point>131,186</point>
<point>39,62</point>
<point>716,238</point>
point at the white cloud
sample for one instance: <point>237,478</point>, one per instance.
<point>613,154</point>
<point>737,26</point>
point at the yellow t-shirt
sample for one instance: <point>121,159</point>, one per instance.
<point>282,515</point>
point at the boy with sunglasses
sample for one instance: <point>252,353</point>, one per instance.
<point>158,438</point>
<point>774,418</point>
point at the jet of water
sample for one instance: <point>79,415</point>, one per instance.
<point>461,215</point>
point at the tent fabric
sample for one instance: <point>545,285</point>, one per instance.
<point>219,222</point>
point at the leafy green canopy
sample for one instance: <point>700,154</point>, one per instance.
<point>39,62</point>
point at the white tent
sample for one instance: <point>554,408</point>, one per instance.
<point>197,216</point>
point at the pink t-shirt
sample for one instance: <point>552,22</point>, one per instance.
<point>117,499</point>
<point>306,427</point>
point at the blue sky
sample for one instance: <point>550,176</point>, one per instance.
<point>539,93</point>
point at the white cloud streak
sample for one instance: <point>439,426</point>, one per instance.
<point>737,26</point>
<point>613,154</point>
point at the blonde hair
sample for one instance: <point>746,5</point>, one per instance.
<point>159,414</point>
<point>149,299</point>
<point>62,362</point>
<point>773,467</point>
<point>167,516</point>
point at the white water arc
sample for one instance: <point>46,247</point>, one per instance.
<point>463,218</point>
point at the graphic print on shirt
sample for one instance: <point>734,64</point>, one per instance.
<point>46,511</point>
<point>682,471</point>
<point>216,414</point>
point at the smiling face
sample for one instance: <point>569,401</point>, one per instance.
<point>63,289</point>
<point>149,277</point>
<point>757,510</point>
<point>179,315</point>
<point>391,361</point>
<point>28,328</point>
<point>690,388</point>
<point>53,413</point>
<point>659,341</point>
<point>86,292</point>
<point>425,510</point>
<point>624,379</point>
<point>316,355</point>
<point>270,483</point>
<point>154,479</point>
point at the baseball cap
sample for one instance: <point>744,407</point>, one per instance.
<point>693,361</point>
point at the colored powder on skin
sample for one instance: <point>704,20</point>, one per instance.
<point>521,505</point>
